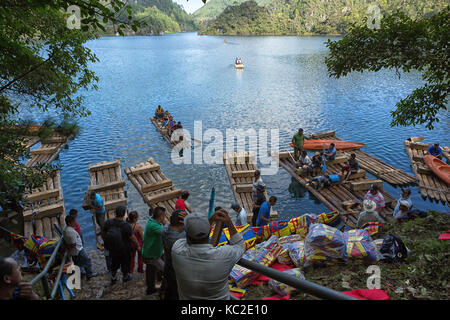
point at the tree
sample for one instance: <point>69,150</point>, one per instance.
<point>43,65</point>
<point>401,43</point>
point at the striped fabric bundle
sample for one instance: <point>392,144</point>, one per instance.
<point>323,245</point>
<point>300,225</point>
<point>277,228</point>
<point>358,245</point>
<point>246,232</point>
<point>264,253</point>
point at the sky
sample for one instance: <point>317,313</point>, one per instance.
<point>190,5</point>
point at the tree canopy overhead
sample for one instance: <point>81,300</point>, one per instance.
<point>406,44</point>
<point>43,65</point>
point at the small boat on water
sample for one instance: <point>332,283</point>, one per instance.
<point>316,144</point>
<point>439,167</point>
<point>239,65</point>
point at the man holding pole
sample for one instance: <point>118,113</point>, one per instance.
<point>201,269</point>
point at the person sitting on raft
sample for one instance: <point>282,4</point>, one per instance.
<point>351,167</point>
<point>330,154</point>
<point>170,126</point>
<point>316,164</point>
<point>327,180</point>
<point>159,112</point>
<point>304,162</point>
<point>435,150</point>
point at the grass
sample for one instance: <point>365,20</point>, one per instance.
<point>424,274</point>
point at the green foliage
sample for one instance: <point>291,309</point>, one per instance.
<point>43,66</point>
<point>402,43</point>
<point>301,17</point>
<point>156,17</point>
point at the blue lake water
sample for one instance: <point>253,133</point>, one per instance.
<point>284,86</point>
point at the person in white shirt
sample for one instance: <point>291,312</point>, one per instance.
<point>238,215</point>
<point>404,204</point>
<point>74,247</point>
<point>202,270</point>
<point>257,181</point>
<point>304,163</point>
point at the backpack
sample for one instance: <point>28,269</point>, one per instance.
<point>113,238</point>
<point>393,249</point>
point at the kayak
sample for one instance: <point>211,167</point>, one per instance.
<point>439,167</point>
<point>314,144</point>
<point>239,66</point>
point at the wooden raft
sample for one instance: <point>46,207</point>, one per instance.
<point>340,197</point>
<point>371,164</point>
<point>47,204</point>
<point>163,131</point>
<point>48,151</point>
<point>154,187</point>
<point>430,186</point>
<point>106,179</point>
<point>240,169</point>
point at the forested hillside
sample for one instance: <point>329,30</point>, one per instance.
<point>297,17</point>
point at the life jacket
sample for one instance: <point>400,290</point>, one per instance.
<point>170,124</point>
<point>159,109</point>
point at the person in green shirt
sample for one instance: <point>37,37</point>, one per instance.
<point>152,248</point>
<point>297,140</point>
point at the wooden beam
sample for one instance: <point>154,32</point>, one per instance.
<point>107,186</point>
<point>104,165</point>
<point>243,173</point>
<point>54,208</point>
<point>365,184</point>
<point>112,204</point>
<point>145,168</point>
<point>419,145</point>
<point>240,188</point>
<point>163,196</point>
<point>415,139</point>
<point>358,175</point>
<point>36,196</point>
<point>157,185</point>
<point>417,158</point>
<point>337,160</point>
<point>40,151</point>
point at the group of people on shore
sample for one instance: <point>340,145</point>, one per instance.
<point>167,119</point>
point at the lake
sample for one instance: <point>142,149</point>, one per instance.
<point>284,86</point>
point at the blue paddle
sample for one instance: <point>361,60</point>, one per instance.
<point>211,202</point>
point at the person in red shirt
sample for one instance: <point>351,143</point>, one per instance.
<point>181,203</point>
<point>74,213</point>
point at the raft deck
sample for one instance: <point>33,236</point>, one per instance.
<point>240,169</point>
<point>45,208</point>
<point>48,151</point>
<point>430,186</point>
<point>106,179</point>
<point>374,166</point>
<point>154,187</point>
<point>341,197</point>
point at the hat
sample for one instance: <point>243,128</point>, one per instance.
<point>317,153</point>
<point>197,226</point>
<point>369,205</point>
<point>260,187</point>
<point>235,206</point>
<point>373,187</point>
<point>185,193</point>
<point>405,203</point>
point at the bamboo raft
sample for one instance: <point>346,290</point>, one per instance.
<point>346,198</point>
<point>154,187</point>
<point>45,208</point>
<point>106,179</point>
<point>48,151</point>
<point>163,131</point>
<point>240,169</point>
<point>430,186</point>
<point>374,166</point>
